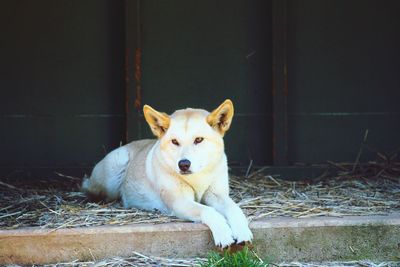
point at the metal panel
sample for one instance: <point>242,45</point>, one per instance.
<point>279,83</point>
<point>61,80</point>
<point>343,71</point>
<point>197,53</point>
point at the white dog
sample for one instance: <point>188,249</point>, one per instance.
<point>184,172</point>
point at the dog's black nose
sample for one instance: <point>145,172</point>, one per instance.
<point>184,165</point>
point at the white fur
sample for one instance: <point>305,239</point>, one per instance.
<point>145,174</point>
<point>222,233</point>
<point>111,170</point>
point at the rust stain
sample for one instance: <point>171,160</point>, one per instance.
<point>127,81</point>
<point>138,78</point>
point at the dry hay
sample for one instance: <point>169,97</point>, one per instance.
<point>137,259</point>
<point>367,189</point>
<point>343,194</point>
<point>344,189</point>
<point>140,260</point>
<point>59,204</point>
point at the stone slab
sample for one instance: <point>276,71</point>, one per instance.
<point>279,239</point>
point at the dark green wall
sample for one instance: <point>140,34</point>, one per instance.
<point>198,53</point>
<point>61,81</point>
<point>344,78</point>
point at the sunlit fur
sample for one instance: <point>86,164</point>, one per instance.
<point>186,125</point>
<point>146,174</point>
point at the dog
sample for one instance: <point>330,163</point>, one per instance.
<point>183,172</point>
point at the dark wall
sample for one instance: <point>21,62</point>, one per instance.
<point>198,53</point>
<point>344,78</point>
<point>61,81</point>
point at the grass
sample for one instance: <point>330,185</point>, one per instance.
<point>244,258</point>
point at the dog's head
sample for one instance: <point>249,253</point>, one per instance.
<point>191,140</point>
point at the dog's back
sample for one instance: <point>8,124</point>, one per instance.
<point>110,173</point>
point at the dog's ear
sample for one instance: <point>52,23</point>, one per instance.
<point>158,121</point>
<point>220,119</point>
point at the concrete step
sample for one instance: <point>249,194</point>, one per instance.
<point>279,239</point>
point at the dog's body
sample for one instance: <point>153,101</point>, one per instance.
<point>183,173</point>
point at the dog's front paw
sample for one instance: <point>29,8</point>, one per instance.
<point>223,238</point>
<point>219,227</point>
<point>239,225</point>
<point>242,233</point>
<point>221,231</point>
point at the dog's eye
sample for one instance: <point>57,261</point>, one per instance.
<point>175,142</point>
<point>198,140</point>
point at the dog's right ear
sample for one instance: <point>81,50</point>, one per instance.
<point>158,121</point>
<point>221,118</point>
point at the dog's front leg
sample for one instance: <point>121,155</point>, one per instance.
<point>187,208</point>
<point>234,215</point>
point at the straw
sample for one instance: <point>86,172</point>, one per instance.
<point>372,189</point>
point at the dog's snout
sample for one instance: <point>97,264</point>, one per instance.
<point>184,165</point>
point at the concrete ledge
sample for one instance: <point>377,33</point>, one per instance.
<point>282,239</point>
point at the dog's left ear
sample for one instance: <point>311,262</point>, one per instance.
<point>158,121</point>
<point>220,119</point>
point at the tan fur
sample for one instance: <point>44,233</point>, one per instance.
<point>221,118</point>
<point>159,122</point>
<point>147,173</point>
